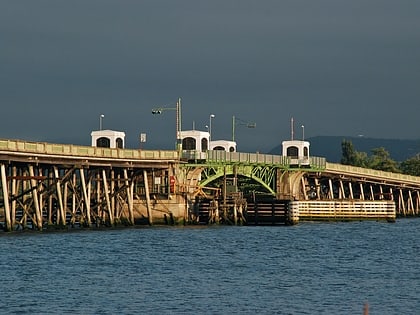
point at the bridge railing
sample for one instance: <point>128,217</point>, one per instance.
<point>318,163</point>
<point>371,173</point>
<point>218,156</point>
<point>213,156</point>
<point>222,157</point>
<point>77,150</point>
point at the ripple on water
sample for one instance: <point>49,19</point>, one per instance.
<point>312,268</point>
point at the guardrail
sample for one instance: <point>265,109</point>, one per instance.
<point>77,150</point>
<point>223,157</point>
<point>218,156</point>
<point>212,156</point>
<point>367,172</point>
<point>318,163</point>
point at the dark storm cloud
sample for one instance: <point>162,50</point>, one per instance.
<point>338,67</point>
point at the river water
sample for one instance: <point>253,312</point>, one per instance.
<point>310,268</point>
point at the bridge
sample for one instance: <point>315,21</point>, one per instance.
<point>47,185</point>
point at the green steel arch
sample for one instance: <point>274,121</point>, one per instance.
<point>264,175</point>
<point>262,168</point>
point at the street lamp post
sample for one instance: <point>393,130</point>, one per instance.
<point>210,118</point>
<point>100,121</point>
<point>177,108</point>
<point>303,133</point>
<point>237,121</point>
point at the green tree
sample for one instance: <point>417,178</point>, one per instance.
<point>362,159</point>
<point>352,157</point>
<point>348,154</point>
<point>411,166</point>
<point>381,160</point>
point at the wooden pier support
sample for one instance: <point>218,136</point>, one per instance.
<point>34,189</point>
<point>148,204</point>
<point>60,197</point>
<point>130,200</point>
<point>86,196</point>
<point>106,193</point>
<point>8,226</point>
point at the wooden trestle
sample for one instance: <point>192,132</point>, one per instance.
<point>41,189</point>
<point>343,183</point>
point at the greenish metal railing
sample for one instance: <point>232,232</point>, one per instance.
<point>223,157</point>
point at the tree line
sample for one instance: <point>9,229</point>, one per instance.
<point>379,159</point>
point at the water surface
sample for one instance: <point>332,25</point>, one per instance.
<point>311,268</point>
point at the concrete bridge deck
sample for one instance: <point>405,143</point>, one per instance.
<point>367,174</point>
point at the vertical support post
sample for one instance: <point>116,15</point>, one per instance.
<point>216,212</point>
<point>318,189</point>
<point>5,198</point>
<point>417,202</point>
<point>381,193</point>
<point>342,194</point>
<point>224,193</point>
<point>362,192</point>
<point>34,188</point>
<point>73,200</point>
<point>146,189</point>
<point>303,183</point>
<point>65,196</point>
<point>112,192</point>
<point>14,191</point>
<point>402,202</point>
<point>50,201</point>
<point>372,195</point>
<point>60,196</point>
<point>118,206</point>
<point>25,185</point>
<point>89,196</point>
<point>85,196</point>
<point>331,189</point>
<point>351,191</point>
<point>40,195</point>
<point>410,203</point>
<point>99,211</point>
<point>129,191</point>
<point>106,193</point>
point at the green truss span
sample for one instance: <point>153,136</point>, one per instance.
<point>262,168</point>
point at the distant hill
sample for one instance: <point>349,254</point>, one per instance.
<point>330,147</point>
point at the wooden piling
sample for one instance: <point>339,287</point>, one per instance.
<point>148,204</point>
<point>85,196</point>
<point>59,197</point>
<point>14,184</point>
<point>8,226</point>
<point>34,189</point>
<point>108,203</point>
<point>129,191</point>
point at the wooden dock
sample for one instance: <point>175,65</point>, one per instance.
<point>344,210</point>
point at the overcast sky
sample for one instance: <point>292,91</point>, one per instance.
<point>338,67</point>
